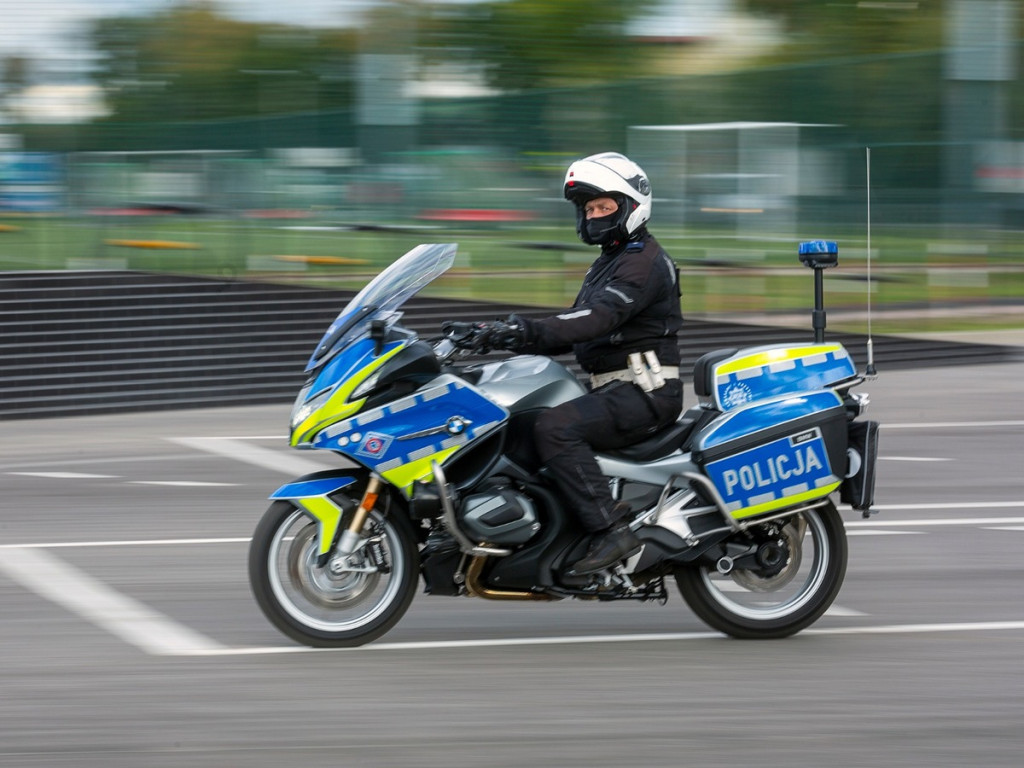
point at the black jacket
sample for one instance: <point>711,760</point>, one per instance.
<point>629,302</point>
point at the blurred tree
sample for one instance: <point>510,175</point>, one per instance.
<point>530,44</point>
<point>881,72</point>
<point>819,29</point>
<point>191,63</point>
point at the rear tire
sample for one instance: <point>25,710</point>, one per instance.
<point>331,607</point>
<point>750,605</point>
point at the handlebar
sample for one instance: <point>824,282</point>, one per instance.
<point>444,349</point>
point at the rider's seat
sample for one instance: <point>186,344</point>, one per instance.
<point>663,442</point>
<point>674,436</point>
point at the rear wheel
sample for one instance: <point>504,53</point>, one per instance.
<point>347,602</point>
<point>801,566</point>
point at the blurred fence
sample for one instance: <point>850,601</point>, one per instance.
<point>743,166</point>
<point>905,107</point>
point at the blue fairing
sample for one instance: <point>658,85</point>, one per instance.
<point>348,362</point>
<point>752,418</point>
<point>307,487</point>
<point>780,377</point>
<point>447,413</point>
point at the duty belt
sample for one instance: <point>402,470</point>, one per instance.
<point>644,370</point>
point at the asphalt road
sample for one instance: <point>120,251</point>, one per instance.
<point>129,637</point>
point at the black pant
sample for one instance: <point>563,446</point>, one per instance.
<point>612,416</point>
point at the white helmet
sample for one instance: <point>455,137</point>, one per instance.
<point>610,174</point>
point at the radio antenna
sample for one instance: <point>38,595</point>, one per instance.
<point>870,369</point>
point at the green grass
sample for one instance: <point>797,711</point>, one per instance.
<point>722,274</point>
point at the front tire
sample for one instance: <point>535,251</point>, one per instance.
<point>748,604</point>
<point>341,604</point>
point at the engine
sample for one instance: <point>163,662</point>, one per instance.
<point>501,516</point>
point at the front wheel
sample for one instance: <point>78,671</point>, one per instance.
<point>347,602</point>
<point>797,580</point>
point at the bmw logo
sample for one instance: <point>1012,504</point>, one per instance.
<point>456,425</point>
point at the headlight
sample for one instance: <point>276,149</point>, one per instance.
<point>366,387</point>
<point>303,408</point>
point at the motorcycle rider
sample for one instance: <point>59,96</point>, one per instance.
<point>623,328</point>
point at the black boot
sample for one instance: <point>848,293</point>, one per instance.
<point>617,543</point>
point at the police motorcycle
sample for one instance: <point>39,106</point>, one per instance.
<point>441,480</point>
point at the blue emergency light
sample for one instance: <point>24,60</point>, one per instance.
<point>819,254</point>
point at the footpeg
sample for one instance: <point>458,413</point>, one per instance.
<point>619,574</point>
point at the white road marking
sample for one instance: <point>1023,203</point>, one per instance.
<point>87,476</point>
<point>65,475</point>
<point>854,528</point>
<point>136,543</point>
<point>910,458</point>
<point>949,505</point>
<point>265,458</point>
<point>157,634</point>
<point>842,610</point>
<point>891,629</point>
<point>954,425</point>
<point>78,592</point>
<point>184,483</point>
<point>282,439</point>
<point>976,521</point>
<point>916,629</point>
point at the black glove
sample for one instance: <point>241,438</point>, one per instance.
<point>482,337</point>
<point>510,334</point>
<point>475,336</point>
<point>460,334</point>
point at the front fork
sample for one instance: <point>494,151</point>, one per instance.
<point>352,537</point>
<point>312,494</point>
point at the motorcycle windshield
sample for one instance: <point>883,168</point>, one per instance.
<point>383,295</point>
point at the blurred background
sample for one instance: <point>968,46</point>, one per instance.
<point>315,141</point>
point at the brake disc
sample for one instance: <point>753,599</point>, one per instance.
<point>791,542</point>
<point>326,587</point>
